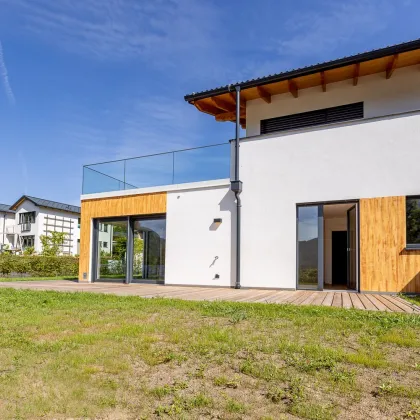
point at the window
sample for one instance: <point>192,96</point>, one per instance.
<point>412,212</point>
<point>105,227</point>
<point>313,118</point>
<point>28,217</point>
<point>78,222</point>
<point>28,241</point>
<point>100,244</point>
<point>105,244</point>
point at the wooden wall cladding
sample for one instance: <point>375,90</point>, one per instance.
<point>385,264</point>
<point>131,205</point>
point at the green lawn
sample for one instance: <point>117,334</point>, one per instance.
<point>9,279</point>
<point>413,299</point>
<point>81,355</point>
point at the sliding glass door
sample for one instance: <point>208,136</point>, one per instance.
<point>310,247</point>
<point>129,249</point>
<point>149,239</point>
<point>111,246</point>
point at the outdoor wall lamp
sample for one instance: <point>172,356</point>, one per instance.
<point>217,221</point>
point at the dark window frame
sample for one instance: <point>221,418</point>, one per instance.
<point>29,215</point>
<point>315,118</point>
<point>410,245</point>
<point>28,241</point>
<point>129,251</point>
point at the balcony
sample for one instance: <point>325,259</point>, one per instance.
<point>188,165</point>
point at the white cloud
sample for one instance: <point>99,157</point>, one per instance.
<point>120,29</point>
<point>5,77</point>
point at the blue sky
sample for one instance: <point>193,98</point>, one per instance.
<point>95,80</point>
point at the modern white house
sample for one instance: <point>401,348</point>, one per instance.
<point>323,191</point>
<point>30,217</point>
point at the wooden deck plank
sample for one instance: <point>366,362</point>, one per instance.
<point>275,296</point>
<point>293,296</point>
<point>367,303</point>
<point>390,305</point>
<point>283,298</point>
<point>311,297</point>
<point>402,306</point>
<point>266,297</point>
<point>328,299</point>
<point>320,296</point>
<point>415,308</point>
<point>357,303</point>
<point>256,297</point>
<point>377,303</point>
<point>337,300</point>
<point>301,298</point>
<point>347,303</point>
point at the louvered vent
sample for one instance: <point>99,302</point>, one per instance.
<point>312,118</point>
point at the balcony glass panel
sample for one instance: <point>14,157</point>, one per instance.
<point>182,166</point>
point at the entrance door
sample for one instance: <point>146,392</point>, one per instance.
<point>310,247</point>
<point>352,247</point>
<point>339,257</point>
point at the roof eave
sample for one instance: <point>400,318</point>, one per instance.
<point>330,65</point>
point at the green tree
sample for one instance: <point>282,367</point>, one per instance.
<point>51,243</point>
<point>120,247</point>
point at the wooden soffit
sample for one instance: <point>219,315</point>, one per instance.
<point>223,106</point>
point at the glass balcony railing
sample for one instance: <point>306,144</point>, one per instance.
<point>178,167</point>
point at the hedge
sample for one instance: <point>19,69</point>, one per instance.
<point>38,266</point>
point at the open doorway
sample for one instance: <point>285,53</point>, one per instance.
<point>340,250</point>
<point>327,246</point>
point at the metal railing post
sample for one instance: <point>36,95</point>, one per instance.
<point>173,167</point>
<point>124,172</point>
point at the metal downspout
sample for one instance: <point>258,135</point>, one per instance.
<point>237,188</point>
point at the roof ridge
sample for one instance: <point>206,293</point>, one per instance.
<point>47,199</point>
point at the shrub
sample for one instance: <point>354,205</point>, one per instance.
<point>38,265</point>
<point>30,250</point>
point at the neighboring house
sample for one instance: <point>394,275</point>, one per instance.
<point>325,182</point>
<point>7,221</point>
<point>33,217</point>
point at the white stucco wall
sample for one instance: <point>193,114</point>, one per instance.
<point>7,220</point>
<point>357,160</point>
<point>400,93</point>
<point>193,241</point>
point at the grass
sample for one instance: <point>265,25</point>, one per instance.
<point>10,279</point>
<point>412,298</point>
<point>82,355</point>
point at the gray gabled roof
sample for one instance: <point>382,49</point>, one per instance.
<point>41,202</point>
<point>6,208</point>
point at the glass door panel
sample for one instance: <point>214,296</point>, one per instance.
<point>112,249</point>
<point>310,229</point>
<point>149,247</point>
